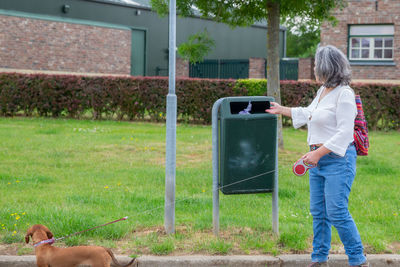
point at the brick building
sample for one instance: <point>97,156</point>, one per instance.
<point>368,32</point>
<point>123,37</point>
<point>40,44</point>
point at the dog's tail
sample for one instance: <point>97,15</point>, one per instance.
<point>115,261</point>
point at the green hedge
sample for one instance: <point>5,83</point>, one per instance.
<point>144,98</point>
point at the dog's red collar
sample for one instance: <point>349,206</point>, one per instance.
<point>48,241</point>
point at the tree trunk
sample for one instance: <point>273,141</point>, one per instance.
<point>273,85</point>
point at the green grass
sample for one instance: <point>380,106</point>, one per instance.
<point>76,174</point>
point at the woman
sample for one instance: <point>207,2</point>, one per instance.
<point>330,122</point>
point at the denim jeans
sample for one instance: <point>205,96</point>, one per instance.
<point>330,186</point>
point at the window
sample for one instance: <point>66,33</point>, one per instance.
<point>371,42</point>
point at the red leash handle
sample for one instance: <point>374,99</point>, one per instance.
<point>77,233</point>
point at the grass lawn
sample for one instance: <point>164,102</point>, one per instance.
<point>76,174</point>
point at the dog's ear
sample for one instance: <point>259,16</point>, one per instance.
<point>28,234</point>
<point>49,234</point>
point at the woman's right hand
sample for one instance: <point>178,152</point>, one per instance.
<point>278,109</point>
<point>274,109</point>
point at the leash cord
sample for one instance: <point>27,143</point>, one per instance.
<point>125,218</point>
<point>77,233</point>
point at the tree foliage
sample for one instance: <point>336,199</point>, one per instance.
<point>302,41</point>
<point>247,12</point>
<point>303,36</point>
<point>197,47</point>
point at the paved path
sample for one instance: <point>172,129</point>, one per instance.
<point>382,260</point>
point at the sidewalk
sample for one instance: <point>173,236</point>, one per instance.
<point>381,260</point>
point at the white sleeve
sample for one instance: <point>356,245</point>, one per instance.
<point>300,116</point>
<point>346,112</point>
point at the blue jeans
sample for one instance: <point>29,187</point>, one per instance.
<point>330,186</point>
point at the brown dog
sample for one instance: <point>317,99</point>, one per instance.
<point>49,256</point>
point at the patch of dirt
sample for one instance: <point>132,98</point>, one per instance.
<point>16,249</point>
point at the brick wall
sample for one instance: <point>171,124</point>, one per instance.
<point>257,68</point>
<point>57,46</point>
<point>306,69</point>
<point>182,68</point>
<point>365,12</point>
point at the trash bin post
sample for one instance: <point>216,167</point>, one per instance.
<point>275,206</point>
<point>215,157</point>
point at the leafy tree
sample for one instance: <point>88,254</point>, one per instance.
<point>247,12</point>
<point>302,41</point>
<point>302,45</point>
<point>303,36</point>
<point>197,47</point>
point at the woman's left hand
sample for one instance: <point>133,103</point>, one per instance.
<point>311,157</point>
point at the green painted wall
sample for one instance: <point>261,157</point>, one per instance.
<point>238,43</point>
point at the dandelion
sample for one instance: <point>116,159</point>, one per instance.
<point>203,190</point>
<point>17,218</point>
<point>23,213</point>
<point>8,183</point>
<point>17,181</point>
<point>106,187</point>
<point>119,184</point>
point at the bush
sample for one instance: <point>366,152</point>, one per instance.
<point>253,87</point>
<point>139,98</point>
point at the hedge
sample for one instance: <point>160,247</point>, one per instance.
<point>144,98</point>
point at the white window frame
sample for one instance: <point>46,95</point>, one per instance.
<point>370,33</point>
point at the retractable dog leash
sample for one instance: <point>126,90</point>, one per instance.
<point>300,167</point>
<point>80,232</point>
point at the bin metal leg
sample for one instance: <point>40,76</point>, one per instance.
<point>275,207</point>
<point>215,156</point>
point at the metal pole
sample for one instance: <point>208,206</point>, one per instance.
<point>215,165</point>
<point>170,162</point>
<point>275,209</point>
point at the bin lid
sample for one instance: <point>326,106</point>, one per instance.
<point>246,107</point>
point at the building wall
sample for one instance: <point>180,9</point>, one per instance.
<point>306,69</point>
<point>231,43</point>
<point>257,68</point>
<point>35,44</point>
<point>366,12</point>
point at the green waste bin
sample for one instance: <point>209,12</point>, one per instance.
<point>247,146</point>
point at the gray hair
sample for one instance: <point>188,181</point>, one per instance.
<point>332,67</point>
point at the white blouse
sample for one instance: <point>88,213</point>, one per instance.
<point>330,121</point>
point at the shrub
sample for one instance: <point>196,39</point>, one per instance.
<point>139,98</point>
<point>252,87</point>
